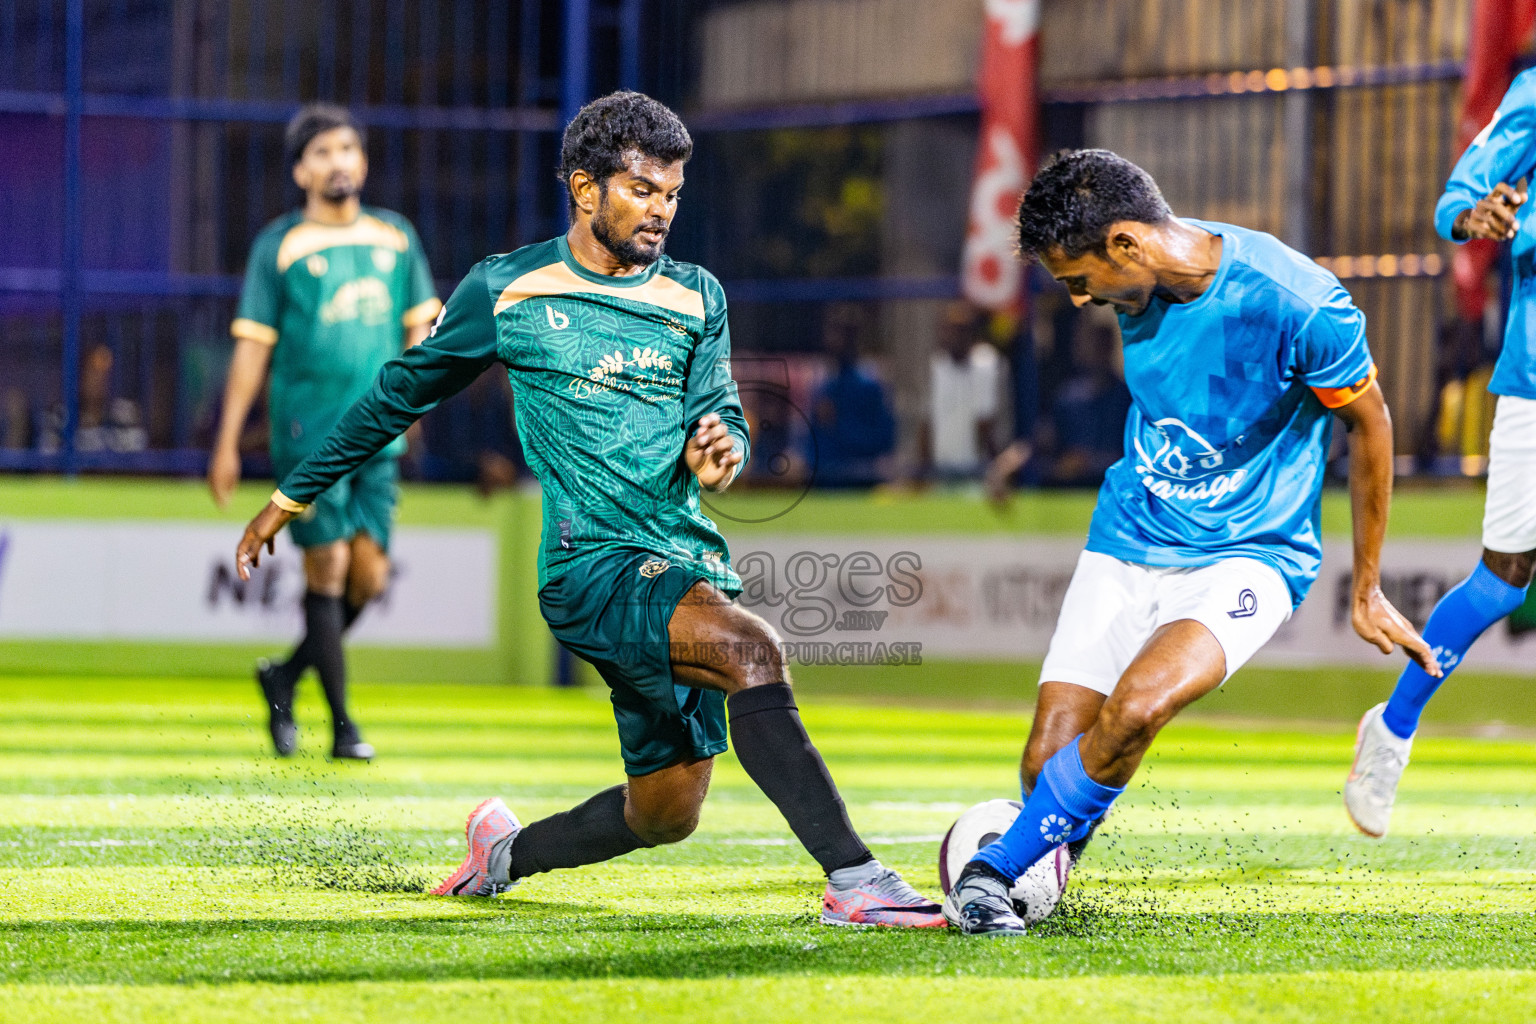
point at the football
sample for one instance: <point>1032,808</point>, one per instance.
<point>1037,893</point>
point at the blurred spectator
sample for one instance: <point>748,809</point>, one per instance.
<point>471,438</point>
<point>1455,434</point>
<point>771,422</point>
<point>106,423</point>
<point>16,427</point>
<point>1090,409</point>
<point>965,375</point>
<point>1085,432</point>
<point>852,428</point>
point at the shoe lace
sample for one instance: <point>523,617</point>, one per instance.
<point>977,897</point>
<point>892,887</point>
<point>1383,767</point>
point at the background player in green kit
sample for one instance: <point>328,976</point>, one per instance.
<point>332,292</point>
<point>619,359</point>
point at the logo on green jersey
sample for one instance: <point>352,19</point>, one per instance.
<point>611,365</point>
<point>652,370</point>
<point>384,259</point>
<point>365,299</point>
<point>650,359</point>
<point>558,320</point>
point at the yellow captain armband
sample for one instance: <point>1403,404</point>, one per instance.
<point>287,504</point>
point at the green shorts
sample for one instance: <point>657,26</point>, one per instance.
<point>361,502</point>
<point>611,610</point>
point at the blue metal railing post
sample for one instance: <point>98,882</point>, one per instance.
<point>629,44</point>
<point>69,290</point>
<point>575,69</point>
<point>529,171</point>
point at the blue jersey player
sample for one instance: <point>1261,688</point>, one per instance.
<point>1239,352</point>
<point>1480,201</point>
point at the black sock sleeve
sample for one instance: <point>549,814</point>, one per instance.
<point>588,833</point>
<point>772,745</point>
<point>323,616</point>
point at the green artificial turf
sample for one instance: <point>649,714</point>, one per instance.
<point>156,865</point>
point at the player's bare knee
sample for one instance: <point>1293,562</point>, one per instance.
<point>757,656</point>
<point>666,828</point>
<point>368,581</point>
<point>326,567</point>
<point>1033,762</point>
<point>1514,568</point>
<point>1134,721</point>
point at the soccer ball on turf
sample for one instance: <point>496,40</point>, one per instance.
<point>1036,894</point>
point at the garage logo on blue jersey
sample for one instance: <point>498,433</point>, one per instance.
<point>1182,456</point>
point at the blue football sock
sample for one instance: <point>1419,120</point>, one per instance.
<point>1064,800</point>
<point>1076,834</point>
<point>1462,616</point>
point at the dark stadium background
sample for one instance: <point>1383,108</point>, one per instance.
<point>142,153</point>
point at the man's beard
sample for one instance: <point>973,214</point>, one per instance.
<point>339,187</point>
<point>628,250</point>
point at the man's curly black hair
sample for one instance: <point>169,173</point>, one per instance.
<point>1077,195</point>
<point>605,130</point>
<point>315,119</point>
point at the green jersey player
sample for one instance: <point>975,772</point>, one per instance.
<point>619,359</point>
<point>332,292</point>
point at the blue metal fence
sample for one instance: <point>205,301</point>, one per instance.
<point>143,153</point>
<point>142,145</point>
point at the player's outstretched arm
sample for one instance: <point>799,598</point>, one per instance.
<point>712,454</point>
<point>1370,495</point>
<point>461,346</point>
<point>409,386</point>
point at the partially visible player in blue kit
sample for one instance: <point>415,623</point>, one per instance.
<point>1239,353</point>
<point>1481,201</point>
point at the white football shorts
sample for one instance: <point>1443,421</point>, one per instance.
<point>1112,607</point>
<point>1509,517</point>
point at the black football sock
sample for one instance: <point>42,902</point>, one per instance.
<point>323,616</point>
<point>586,834</point>
<point>772,746</point>
<point>303,655</point>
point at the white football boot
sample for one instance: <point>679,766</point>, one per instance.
<point>1380,757</point>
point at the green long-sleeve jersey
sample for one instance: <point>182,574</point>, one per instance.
<point>610,376</point>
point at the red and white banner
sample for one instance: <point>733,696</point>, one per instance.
<point>1500,30</point>
<point>1007,153</point>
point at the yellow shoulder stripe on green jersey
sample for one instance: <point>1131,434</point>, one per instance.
<point>559,279</point>
<point>308,238</point>
<point>422,313</point>
<point>253,330</point>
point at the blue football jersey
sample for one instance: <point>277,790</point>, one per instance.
<point>1228,433</point>
<point>1505,151</point>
